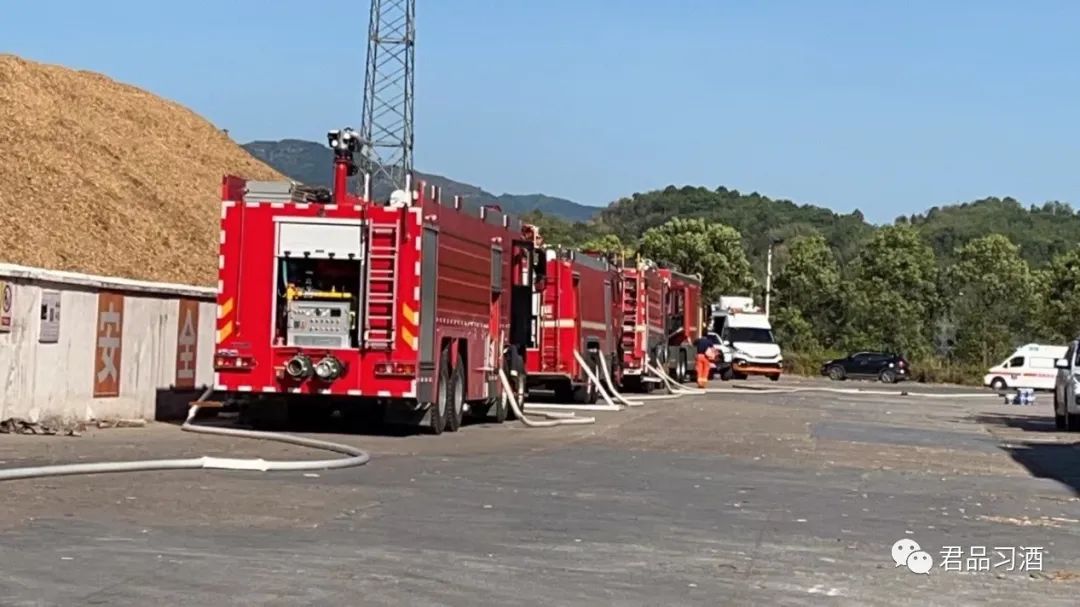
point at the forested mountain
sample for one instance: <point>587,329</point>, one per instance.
<point>312,163</point>
<point>1040,231</point>
<point>757,218</point>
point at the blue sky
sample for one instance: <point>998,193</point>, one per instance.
<point>886,107</point>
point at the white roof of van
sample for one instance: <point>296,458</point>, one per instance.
<point>752,321</point>
<point>1042,349</point>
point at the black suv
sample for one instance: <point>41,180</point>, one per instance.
<point>889,368</point>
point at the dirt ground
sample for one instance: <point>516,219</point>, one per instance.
<point>727,498</point>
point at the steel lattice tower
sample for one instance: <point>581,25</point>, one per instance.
<point>387,129</point>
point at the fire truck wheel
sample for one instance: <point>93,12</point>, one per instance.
<point>499,411</point>
<point>680,368</point>
<point>564,391</point>
<point>437,409</point>
<point>587,393</point>
<point>455,408</point>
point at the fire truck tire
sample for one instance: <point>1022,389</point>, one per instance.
<point>646,386</point>
<point>587,393</point>
<point>455,407</point>
<point>500,409</point>
<point>680,368</point>
<point>512,361</point>
<point>564,391</point>
<point>437,410</point>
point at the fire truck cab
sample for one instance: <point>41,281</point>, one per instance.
<point>395,310</point>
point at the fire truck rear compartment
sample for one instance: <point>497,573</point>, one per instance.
<point>319,283</point>
<point>317,303</point>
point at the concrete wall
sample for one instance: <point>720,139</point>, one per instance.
<point>49,380</point>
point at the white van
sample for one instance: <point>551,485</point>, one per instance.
<point>1031,366</point>
<point>746,339</point>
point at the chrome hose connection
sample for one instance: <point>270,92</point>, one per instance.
<point>329,368</point>
<point>299,367</point>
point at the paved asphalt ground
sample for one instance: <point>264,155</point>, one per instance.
<point>723,499</point>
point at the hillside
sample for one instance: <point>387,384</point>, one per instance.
<point>310,162</point>
<point>102,177</point>
<point>756,217</point>
<point>1041,232</point>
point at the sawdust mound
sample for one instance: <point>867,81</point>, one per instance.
<point>104,178</point>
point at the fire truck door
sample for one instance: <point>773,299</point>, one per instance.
<point>579,336</point>
<point>429,266</point>
<point>609,338</point>
<point>495,343</point>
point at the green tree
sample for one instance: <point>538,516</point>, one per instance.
<point>695,246</point>
<point>557,231</point>
<point>1061,308</point>
<point>994,298</point>
<point>893,294</point>
<point>609,244</point>
<point>806,295</point>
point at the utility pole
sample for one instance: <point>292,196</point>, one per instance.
<point>768,280</point>
<point>768,273</point>
<point>387,130</point>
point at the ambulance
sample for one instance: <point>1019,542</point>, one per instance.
<point>1031,366</point>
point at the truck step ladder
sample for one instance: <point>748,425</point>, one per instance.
<point>630,310</point>
<point>380,302</point>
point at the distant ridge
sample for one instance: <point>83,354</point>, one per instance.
<point>310,162</point>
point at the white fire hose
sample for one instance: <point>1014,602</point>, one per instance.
<point>611,385</point>
<point>594,379</point>
<point>356,457</point>
<point>553,419</point>
<point>673,385</point>
<point>671,392</point>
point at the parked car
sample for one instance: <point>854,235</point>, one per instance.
<point>1066,407</point>
<point>887,367</point>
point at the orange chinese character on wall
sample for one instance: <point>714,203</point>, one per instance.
<point>107,358</point>
<point>187,343</point>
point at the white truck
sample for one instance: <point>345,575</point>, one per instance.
<point>745,338</point>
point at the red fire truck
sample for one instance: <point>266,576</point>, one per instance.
<point>682,311</point>
<point>579,311</point>
<point>404,309</point>
<point>643,336</point>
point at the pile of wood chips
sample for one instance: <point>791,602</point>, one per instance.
<point>104,178</point>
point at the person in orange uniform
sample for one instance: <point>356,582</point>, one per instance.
<point>706,352</point>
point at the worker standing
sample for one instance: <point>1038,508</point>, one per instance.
<point>705,355</point>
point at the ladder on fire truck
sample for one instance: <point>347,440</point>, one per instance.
<point>549,330</point>
<point>380,302</point>
<point>629,310</point>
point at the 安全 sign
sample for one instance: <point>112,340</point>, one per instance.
<point>187,343</point>
<point>107,355</point>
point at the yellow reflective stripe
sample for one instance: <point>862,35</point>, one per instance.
<point>224,332</point>
<point>225,309</point>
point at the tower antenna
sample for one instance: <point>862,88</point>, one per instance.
<point>387,129</point>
